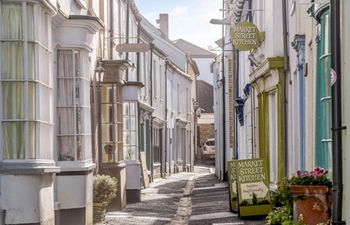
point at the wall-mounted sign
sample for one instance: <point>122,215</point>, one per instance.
<point>252,185</point>
<point>245,36</point>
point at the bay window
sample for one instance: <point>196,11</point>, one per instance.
<point>73,110</point>
<point>111,122</point>
<point>25,82</point>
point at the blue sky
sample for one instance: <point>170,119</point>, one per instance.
<point>188,19</point>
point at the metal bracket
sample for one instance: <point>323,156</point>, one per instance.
<point>339,128</point>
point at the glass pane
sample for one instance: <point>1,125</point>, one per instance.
<point>106,91</point>
<point>44,67</point>
<point>132,108</point>
<point>13,140</point>
<point>77,63</point>
<point>87,147</point>
<point>46,131</point>
<point>65,92</point>
<point>13,100</point>
<point>108,152</point>
<point>30,22</point>
<point>133,137</point>
<point>78,92</point>
<point>83,121</point>
<point>126,123</point>
<point>126,138</point>
<point>85,93</point>
<point>32,102</point>
<point>119,115</point>
<point>132,123</point>
<point>11,21</point>
<point>31,137</point>
<point>79,120</point>
<point>66,148</point>
<point>65,63</point>
<point>107,133</point>
<point>65,121</point>
<point>12,60</point>
<point>107,113</point>
<point>120,133</point>
<point>80,147</point>
<point>31,61</point>
<point>126,109</point>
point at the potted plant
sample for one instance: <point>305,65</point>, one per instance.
<point>309,191</point>
<point>104,191</point>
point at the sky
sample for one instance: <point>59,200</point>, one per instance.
<point>188,19</point>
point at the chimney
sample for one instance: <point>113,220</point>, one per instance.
<point>163,22</point>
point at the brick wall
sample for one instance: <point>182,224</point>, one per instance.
<point>205,131</point>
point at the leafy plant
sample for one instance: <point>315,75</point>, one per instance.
<point>105,189</point>
<point>283,196</point>
<point>283,216</point>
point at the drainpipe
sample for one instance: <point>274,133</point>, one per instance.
<point>223,93</point>
<point>284,87</point>
<point>127,35</point>
<point>111,31</point>
<point>337,116</point>
<point>165,116</point>
<point>235,96</point>
<point>151,123</point>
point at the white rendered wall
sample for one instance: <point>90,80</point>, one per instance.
<point>27,198</point>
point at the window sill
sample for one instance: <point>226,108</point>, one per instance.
<point>73,166</point>
<point>29,167</point>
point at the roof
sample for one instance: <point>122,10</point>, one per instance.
<point>175,54</point>
<point>205,96</point>
<point>193,50</point>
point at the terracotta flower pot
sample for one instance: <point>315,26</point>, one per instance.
<point>310,203</point>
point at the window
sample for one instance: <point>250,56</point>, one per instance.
<point>273,129</point>
<point>156,144</point>
<point>26,82</point>
<point>111,123</point>
<point>130,130</point>
<point>73,110</point>
<point>323,135</point>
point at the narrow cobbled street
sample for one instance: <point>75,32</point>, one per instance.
<point>195,198</point>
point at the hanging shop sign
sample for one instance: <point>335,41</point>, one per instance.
<point>253,187</point>
<point>245,36</point>
<point>232,166</point>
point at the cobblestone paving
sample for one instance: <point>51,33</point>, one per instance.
<point>196,198</point>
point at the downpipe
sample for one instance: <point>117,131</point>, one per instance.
<point>337,150</point>
<point>284,88</point>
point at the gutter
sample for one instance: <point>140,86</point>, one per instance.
<point>284,88</point>
<point>337,129</point>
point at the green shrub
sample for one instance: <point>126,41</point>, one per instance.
<point>105,189</point>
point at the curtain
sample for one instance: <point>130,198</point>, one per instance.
<point>12,92</point>
<point>65,105</point>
